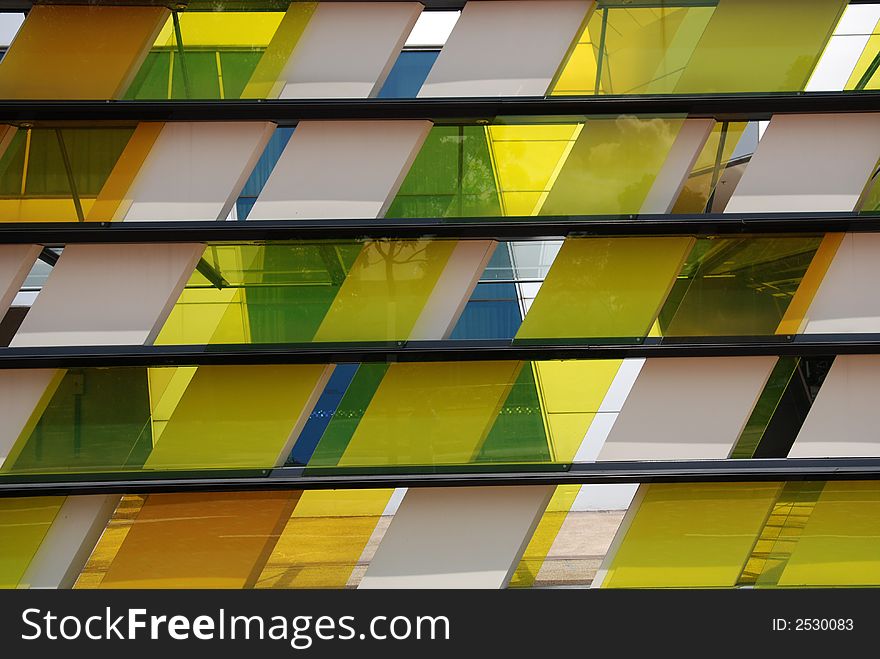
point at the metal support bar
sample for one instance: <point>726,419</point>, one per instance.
<point>300,478</point>
<point>814,345</point>
<point>56,234</point>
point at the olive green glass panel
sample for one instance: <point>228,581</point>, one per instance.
<point>698,47</point>
<point>97,419</point>
<point>24,523</point>
<point>736,286</point>
<point>56,174</point>
<point>605,287</point>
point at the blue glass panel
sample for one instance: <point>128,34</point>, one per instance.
<point>262,170</point>
<point>492,312</point>
<point>320,417</point>
<point>408,74</point>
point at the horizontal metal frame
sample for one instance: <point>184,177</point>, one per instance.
<point>297,478</point>
<point>435,351</point>
<point>57,234</point>
<point>729,107</point>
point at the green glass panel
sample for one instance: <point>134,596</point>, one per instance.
<point>97,419</point>
<point>518,433</point>
<point>215,56</point>
<point>151,80</point>
<point>765,407</point>
<point>452,176</point>
<point>12,165</point>
<point>736,286</point>
<point>237,69</point>
<point>273,293</point>
<point>195,75</point>
<point>292,289</point>
<point>348,414</point>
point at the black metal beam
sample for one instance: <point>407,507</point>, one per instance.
<point>57,234</point>
<point>727,107</point>
<point>437,351</point>
<point>299,478</point>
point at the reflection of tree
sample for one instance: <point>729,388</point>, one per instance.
<point>396,253</point>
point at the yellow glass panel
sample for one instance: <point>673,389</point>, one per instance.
<point>240,28</point>
<point>265,81</point>
<point>214,540</point>
<point>42,210</point>
<point>643,50</point>
<point>571,393</point>
<point>840,545</point>
<point>206,314</point>
<point>385,290</point>
<point>324,539</point>
<point>430,413</point>
<point>871,51</point>
<point>23,525</point>
<point>691,535</point>
<point>605,287</point>
<point>235,416</point>
<point>64,52</point>
<point>612,166</point>
<point>527,159</point>
<point>753,45</point>
<point>545,534</point>
<point>112,202</point>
